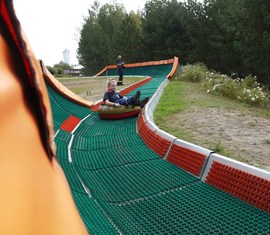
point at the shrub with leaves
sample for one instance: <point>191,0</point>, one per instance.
<point>221,84</point>
<point>246,90</point>
<point>255,96</point>
<point>194,73</point>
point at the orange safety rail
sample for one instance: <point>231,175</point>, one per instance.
<point>149,63</point>
<point>174,68</point>
<point>140,122</point>
<point>70,123</point>
<point>96,106</point>
<point>102,71</point>
<point>145,132</point>
<point>124,91</point>
<point>249,188</point>
<point>186,159</point>
<point>158,144</point>
<point>61,89</point>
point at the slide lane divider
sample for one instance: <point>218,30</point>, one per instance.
<point>86,189</point>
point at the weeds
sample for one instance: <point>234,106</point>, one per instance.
<point>218,147</point>
<point>194,73</point>
<point>246,90</point>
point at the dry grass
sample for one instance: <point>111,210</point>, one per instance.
<point>93,88</point>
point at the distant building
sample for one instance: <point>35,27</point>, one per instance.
<point>66,55</point>
<point>73,72</point>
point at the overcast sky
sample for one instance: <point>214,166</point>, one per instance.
<point>52,26</point>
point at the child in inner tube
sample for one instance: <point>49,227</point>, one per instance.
<point>113,98</point>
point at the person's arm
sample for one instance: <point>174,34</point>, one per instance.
<point>109,103</point>
<point>120,63</point>
<point>106,100</point>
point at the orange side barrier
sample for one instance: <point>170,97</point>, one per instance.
<point>96,106</point>
<point>61,89</point>
<point>158,144</point>
<point>155,142</point>
<point>140,122</point>
<point>250,188</point>
<point>142,64</point>
<point>69,124</point>
<point>186,159</point>
<point>145,133</point>
<point>174,68</point>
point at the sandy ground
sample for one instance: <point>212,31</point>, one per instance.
<point>245,137</point>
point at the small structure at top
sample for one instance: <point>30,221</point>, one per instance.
<point>66,55</point>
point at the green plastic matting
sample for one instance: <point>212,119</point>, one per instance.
<point>135,181</point>
<point>94,217</point>
<point>107,128</point>
<point>61,104</point>
<point>72,177</point>
<point>196,208</point>
<point>102,142</point>
<point>120,186</point>
<point>105,158</point>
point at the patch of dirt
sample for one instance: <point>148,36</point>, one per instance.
<point>244,137</point>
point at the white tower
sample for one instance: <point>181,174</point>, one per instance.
<point>66,55</point>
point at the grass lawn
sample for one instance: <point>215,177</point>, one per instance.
<point>181,95</point>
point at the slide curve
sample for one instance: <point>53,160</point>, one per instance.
<point>65,171</point>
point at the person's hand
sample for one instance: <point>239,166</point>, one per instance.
<point>117,105</point>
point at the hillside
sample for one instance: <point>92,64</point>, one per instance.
<point>230,128</point>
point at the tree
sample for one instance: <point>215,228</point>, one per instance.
<point>107,32</point>
<point>89,52</point>
<point>59,68</point>
<point>129,42</point>
<point>239,39</point>
<point>52,70</point>
<point>257,39</point>
<point>166,29</point>
<point>227,35</point>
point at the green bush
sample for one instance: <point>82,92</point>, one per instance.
<point>255,96</point>
<point>221,84</point>
<point>246,90</point>
<point>194,73</point>
<point>52,70</point>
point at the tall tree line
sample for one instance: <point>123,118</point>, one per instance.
<point>230,36</point>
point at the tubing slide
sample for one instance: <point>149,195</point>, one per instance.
<point>65,171</point>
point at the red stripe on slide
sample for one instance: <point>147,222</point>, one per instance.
<point>70,123</point>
